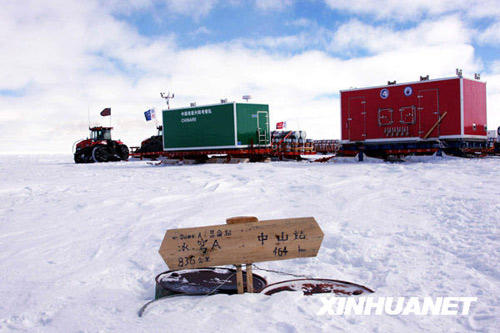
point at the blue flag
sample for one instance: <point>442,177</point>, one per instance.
<point>150,114</point>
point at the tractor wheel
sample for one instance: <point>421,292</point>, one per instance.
<point>100,154</point>
<point>79,157</point>
<point>87,156</point>
<point>123,152</point>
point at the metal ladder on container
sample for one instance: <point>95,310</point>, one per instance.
<point>261,130</point>
<point>262,137</point>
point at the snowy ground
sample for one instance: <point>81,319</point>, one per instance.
<point>78,243</point>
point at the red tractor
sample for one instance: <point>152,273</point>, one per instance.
<point>100,147</point>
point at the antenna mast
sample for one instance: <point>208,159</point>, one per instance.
<point>167,98</point>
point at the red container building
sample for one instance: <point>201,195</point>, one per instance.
<point>410,117</point>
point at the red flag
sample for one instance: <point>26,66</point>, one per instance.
<point>279,125</point>
<point>106,112</point>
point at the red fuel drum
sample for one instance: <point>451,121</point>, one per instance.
<point>408,112</point>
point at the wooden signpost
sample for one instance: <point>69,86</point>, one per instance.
<point>243,240</point>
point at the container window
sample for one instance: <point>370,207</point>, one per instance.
<point>408,115</point>
<point>385,117</point>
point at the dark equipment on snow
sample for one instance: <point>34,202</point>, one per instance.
<point>152,144</point>
<point>221,280</point>
<point>317,286</point>
<point>202,281</point>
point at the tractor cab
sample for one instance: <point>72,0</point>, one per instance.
<point>100,133</point>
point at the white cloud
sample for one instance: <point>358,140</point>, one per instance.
<point>195,8</point>
<point>357,35</point>
<point>491,35</point>
<point>269,5</point>
<point>64,58</point>
<point>493,88</point>
<point>278,44</point>
<point>481,8</point>
<point>415,10</point>
<point>303,22</point>
<point>125,6</point>
<point>200,32</point>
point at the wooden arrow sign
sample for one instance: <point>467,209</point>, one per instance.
<point>239,243</point>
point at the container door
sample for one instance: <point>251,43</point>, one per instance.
<point>356,119</point>
<point>428,112</point>
<point>262,128</point>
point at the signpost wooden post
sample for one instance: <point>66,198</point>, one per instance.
<point>243,240</point>
<point>249,278</point>
<point>248,267</point>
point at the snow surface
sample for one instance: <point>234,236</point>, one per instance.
<point>78,249</point>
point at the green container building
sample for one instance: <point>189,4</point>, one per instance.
<point>219,126</point>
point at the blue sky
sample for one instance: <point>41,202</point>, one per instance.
<point>231,22</point>
<point>314,18</point>
<point>62,60</point>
